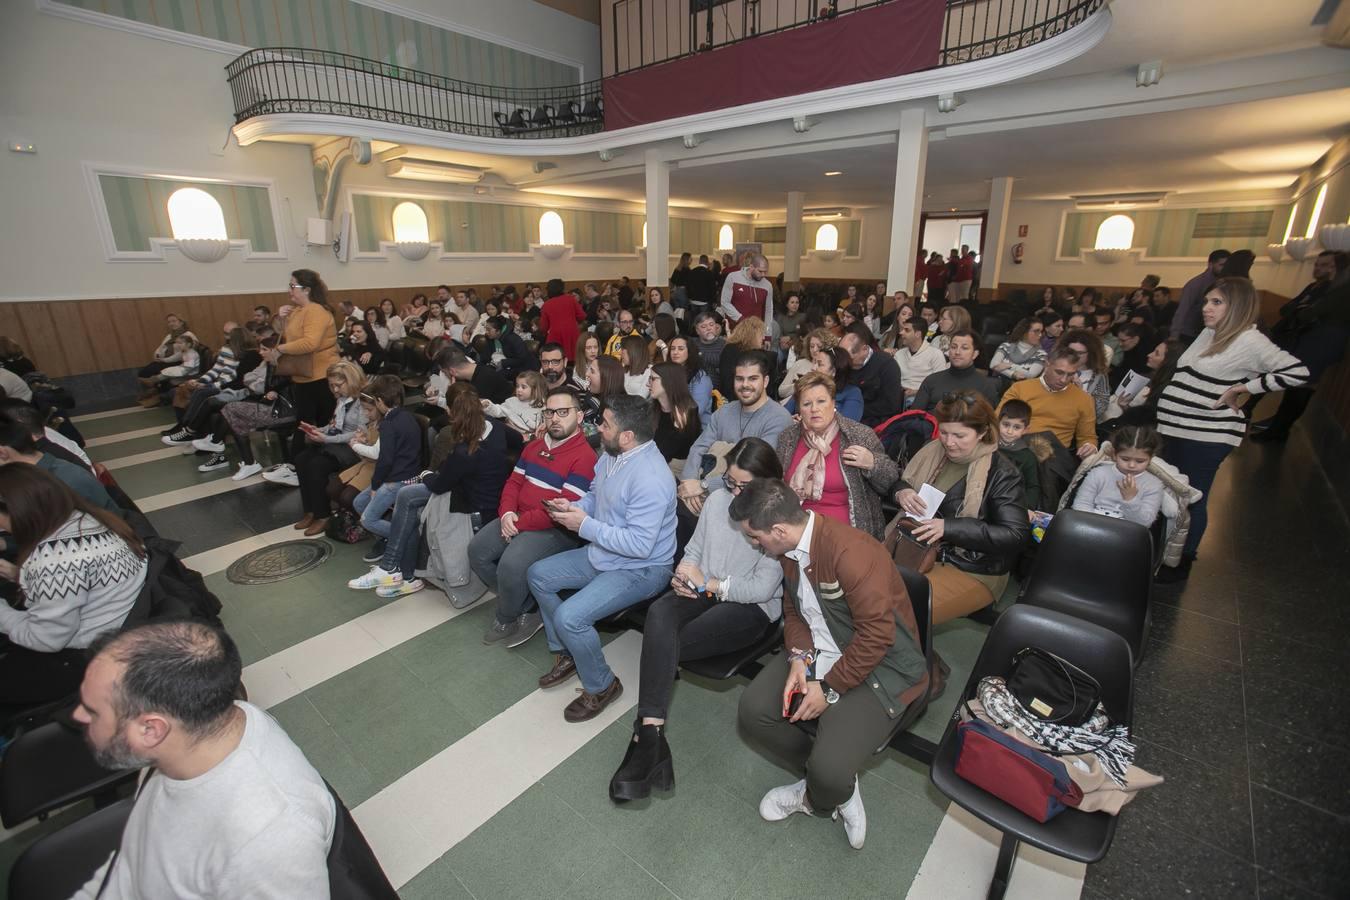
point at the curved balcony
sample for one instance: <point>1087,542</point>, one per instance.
<point>295,80</point>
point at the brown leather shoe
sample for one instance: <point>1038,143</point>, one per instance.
<point>563,669</point>
<point>316,527</point>
<point>304,523</point>
<point>587,706</point>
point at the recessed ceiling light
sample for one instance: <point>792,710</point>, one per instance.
<point>830,174</point>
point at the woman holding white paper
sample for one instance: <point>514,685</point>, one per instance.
<point>981,522</point>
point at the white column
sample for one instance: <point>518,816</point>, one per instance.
<point>658,219</point>
<point>792,251</point>
<point>911,158</point>
<point>994,253</point>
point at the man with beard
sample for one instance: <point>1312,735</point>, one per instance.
<point>746,292</point>
<point>553,365</point>
<point>560,464</point>
<point>754,415</point>
<point>231,807</point>
<point>628,517</point>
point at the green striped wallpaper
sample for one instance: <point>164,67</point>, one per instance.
<point>467,227</point>
<point>1169,232</point>
<point>346,27</point>
<point>850,238</point>
<point>138,211</point>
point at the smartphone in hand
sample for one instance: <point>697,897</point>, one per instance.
<point>794,703</point>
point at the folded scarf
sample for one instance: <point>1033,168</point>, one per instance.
<point>808,479</point>
<point>932,456</point>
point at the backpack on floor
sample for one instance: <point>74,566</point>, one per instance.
<point>345,527</point>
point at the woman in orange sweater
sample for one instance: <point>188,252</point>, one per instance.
<point>310,346</point>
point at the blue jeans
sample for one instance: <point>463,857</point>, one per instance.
<point>372,505</point>
<point>570,625</point>
<point>1199,461</point>
<point>405,530</point>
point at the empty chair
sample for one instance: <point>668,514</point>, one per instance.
<point>1081,836</point>
<point>592,109</point>
<point>543,116</point>
<point>48,768</point>
<point>1098,569</point>
<point>567,113</point>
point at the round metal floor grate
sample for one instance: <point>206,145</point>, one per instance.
<point>278,562</point>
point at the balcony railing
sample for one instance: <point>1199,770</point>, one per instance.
<point>294,80</point>
<point>647,32</point>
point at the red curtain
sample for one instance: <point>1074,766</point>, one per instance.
<point>892,39</point>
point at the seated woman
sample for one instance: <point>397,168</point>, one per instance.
<point>836,465</point>
<point>588,350</point>
<point>187,354</point>
<point>951,319</point>
<point>1131,405</point>
<point>835,362</point>
<point>677,420</point>
<point>376,327</point>
<point>1020,357</point>
<point>13,359</point>
<point>890,338</point>
<point>604,380</point>
<point>327,450</point>
<point>801,358</point>
<point>79,570</point>
<point>684,354</point>
<point>360,348</point>
<point>981,523</point>
<point>663,330</point>
<point>736,594</point>
<point>1092,370</point>
<point>165,355</point>
<point>475,470</point>
<point>747,335</point>
<point>392,321</point>
<point>636,366</point>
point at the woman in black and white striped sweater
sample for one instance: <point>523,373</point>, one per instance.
<point>1200,409</point>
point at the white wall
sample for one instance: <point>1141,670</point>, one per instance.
<point>84,93</point>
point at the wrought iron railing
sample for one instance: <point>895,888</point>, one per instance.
<point>296,80</point>
<point>647,32</point>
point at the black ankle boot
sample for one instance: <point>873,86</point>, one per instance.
<point>647,764</point>
<point>1175,574</point>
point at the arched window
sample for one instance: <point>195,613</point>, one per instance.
<point>724,238</point>
<point>551,229</point>
<point>827,238</point>
<point>410,224</point>
<point>1116,233</point>
<point>195,215</point>
<point>644,234</point>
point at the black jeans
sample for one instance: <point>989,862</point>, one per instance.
<point>314,403</point>
<point>314,465</point>
<point>678,629</point>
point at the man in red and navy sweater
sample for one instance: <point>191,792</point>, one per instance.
<point>559,464</point>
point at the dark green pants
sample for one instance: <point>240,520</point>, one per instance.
<point>846,735</point>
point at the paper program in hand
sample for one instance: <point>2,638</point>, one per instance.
<point>932,498</point>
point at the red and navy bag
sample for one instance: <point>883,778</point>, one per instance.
<point>1023,777</point>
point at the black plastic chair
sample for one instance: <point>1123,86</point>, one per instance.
<point>593,109</point>
<point>1098,569</point>
<point>543,116</point>
<point>567,113</point>
<point>51,767</point>
<point>741,662</point>
<point>1081,836</point>
<point>59,864</point>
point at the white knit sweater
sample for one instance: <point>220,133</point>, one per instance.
<point>78,582</point>
<point>1186,407</point>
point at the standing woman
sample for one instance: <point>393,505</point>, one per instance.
<point>677,420</point>
<point>636,365</point>
<point>79,570</point>
<point>679,282</point>
<point>1200,410</point>
<point>683,354</point>
<point>308,348</point>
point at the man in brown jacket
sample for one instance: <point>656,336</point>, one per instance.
<point>853,655</point>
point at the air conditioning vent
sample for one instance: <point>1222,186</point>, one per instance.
<point>1119,201</point>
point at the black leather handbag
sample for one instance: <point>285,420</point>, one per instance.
<point>1053,689</point>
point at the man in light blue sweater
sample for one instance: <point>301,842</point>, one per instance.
<point>629,519</point>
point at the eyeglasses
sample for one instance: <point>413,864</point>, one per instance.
<point>732,485</point>
<point>557,413</point>
<point>293,285</point>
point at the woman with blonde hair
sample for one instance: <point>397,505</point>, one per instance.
<point>950,320</point>
<point>747,335</point>
<point>328,450</point>
<point>801,359</point>
<point>1200,411</point>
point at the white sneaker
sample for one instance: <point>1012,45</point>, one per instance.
<point>782,802</point>
<point>855,818</point>
<point>376,578</point>
<point>400,589</point>
<point>206,445</point>
<point>246,471</point>
<point>282,474</point>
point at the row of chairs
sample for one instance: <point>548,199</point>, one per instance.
<point>1097,618</point>
<point>546,115</point>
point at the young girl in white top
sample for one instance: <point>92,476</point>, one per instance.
<point>1125,489</point>
<point>189,360</point>
<point>521,412</point>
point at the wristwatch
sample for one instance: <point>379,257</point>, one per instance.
<point>831,695</point>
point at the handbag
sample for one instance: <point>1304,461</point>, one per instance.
<point>290,365</point>
<point>1053,689</point>
<point>1028,780</point>
<point>345,527</point>
<point>908,552</point>
<point>282,408</point>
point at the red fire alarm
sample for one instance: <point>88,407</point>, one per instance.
<point>1021,231</point>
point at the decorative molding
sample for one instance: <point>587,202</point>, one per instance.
<point>915,86</point>
<point>1141,254</point>
<point>102,221</point>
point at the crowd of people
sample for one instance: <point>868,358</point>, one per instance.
<point>720,458</point>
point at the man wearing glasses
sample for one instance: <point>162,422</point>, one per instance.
<point>558,465</point>
<point>623,328</point>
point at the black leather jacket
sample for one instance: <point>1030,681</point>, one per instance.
<point>990,543</point>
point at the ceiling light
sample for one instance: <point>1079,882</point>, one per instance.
<point>832,174</point>
<point>426,170</point>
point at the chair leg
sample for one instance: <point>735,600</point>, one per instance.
<point>1007,855</point>
<point>919,749</point>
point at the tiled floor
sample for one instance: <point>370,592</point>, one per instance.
<point>1239,706</point>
